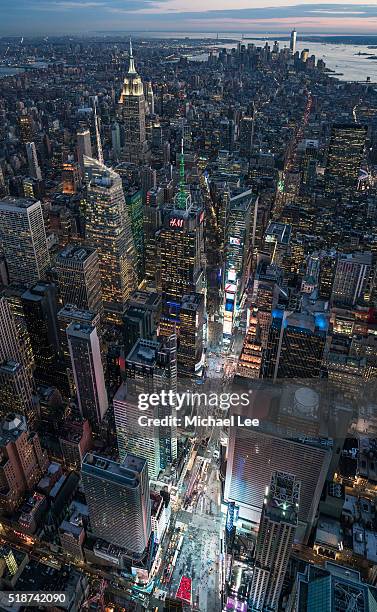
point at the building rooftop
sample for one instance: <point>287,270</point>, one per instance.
<point>282,499</point>
<point>341,571</point>
<point>192,301</point>
<point>279,232</point>
<point>303,320</point>
<point>100,175</point>
<point>80,330</point>
<point>75,253</point>
<point>11,203</point>
<point>364,257</point>
<point>144,352</point>
<point>10,367</point>
<point>73,523</point>
<point>71,311</point>
<point>11,427</point>
<point>242,201</point>
<point>341,587</point>
<point>156,501</point>
<point>144,299</point>
<point>31,506</point>
<point>40,577</point>
<point>126,473</point>
<point>329,533</point>
<point>45,392</point>
<point>72,431</point>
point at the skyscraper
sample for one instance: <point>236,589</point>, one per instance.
<point>79,278</point>
<point>40,308</point>
<point>333,587</point>
<point>27,130</point>
<point>275,538</point>
<point>240,235</point>
<point>7,557</point>
<point>250,361</point>
<point>88,373</point>
<point>150,98</point>
<point>255,453</point>
<point>13,296</point>
<point>34,169</point>
<point>16,380</point>
<point>247,127</point>
<point>292,43</point>
<point>141,318</point>
<point>115,139</point>
<point>179,250</point>
<point>191,334</point>
<point>67,315</point>
<point>345,154</point>
<point>23,239</point>
<point>70,177</point>
<point>15,390</point>
<point>156,140</point>
<point>152,216</point>
<point>326,276</point>
<point>22,461</point>
<point>131,437</point>
<point>150,367</point>
<point>308,164</point>
<point>71,314</point>
<point>108,229</point>
<point>4,190</point>
<point>148,178</point>
<point>119,501</point>
<point>10,345</point>
<point>84,147</point>
<point>227,134</point>
<point>351,278</point>
<point>132,112</point>
<point>265,295</point>
<point>134,204</point>
<point>295,345</point>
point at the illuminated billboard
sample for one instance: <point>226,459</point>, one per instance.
<point>140,574</point>
<point>232,274</point>
<point>230,288</point>
<point>185,590</point>
<point>176,222</point>
<point>235,241</point>
<point>227,328</point>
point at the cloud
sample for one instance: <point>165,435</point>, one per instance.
<point>254,7</point>
<point>59,16</point>
<point>67,6</point>
<point>77,5</point>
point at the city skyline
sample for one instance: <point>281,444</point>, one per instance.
<point>38,17</point>
<point>188,319</point>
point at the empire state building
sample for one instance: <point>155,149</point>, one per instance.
<point>132,112</point>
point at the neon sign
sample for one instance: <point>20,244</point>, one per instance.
<point>174,222</point>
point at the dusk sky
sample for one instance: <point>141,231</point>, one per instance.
<point>69,16</point>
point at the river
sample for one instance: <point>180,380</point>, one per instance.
<point>341,58</point>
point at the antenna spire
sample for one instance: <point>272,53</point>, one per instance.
<point>182,195</point>
<point>98,136</point>
<point>131,69</point>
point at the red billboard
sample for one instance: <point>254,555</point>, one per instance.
<point>184,591</point>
